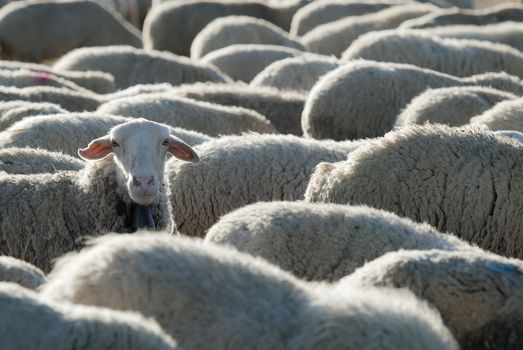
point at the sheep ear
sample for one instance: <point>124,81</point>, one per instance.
<point>181,150</point>
<point>97,149</point>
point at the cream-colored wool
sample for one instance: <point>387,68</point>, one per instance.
<point>321,12</point>
<point>13,111</point>
<point>458,57</point>
<point>20,272</point>
<point>31,322</point>
<point>131,66</point>
<point>467,181</point>
<point>67,132</point>
<point>335,37</point>
<point>282,108</point>
<point>232,60</point>
<point>232,30</point>
<point>43,216</point>
<point>98,82</point>
<point>34,161</point>
<point>297,74</point>
<point>57,27</point>
<point>74,101</point>
<point>188,18</point>
<point>205,117</point>
<point>363,98</point>
<point>479,295</point>
<point>238,170</point>
<point>506,115</point>
<point>506,11</point>
<point>323,242</point>
<point>205,294</point>
<point>452,106</point>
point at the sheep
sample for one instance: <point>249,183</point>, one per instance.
<point>344,103</point>
<point>135,90</point>
<point>458,57</point>
<point>43,216</point>
<point>26,78</point>
<point>478,295</point>
<point>134,11</point>
<point>317,13</point>
<point>67,132</point>
<point>323,241</point>
<point>516,135</point>
<point>333,38</point>
<point>295,73</point>
<point>495,14</point>
<point>96,81</point>
<point>34,161</point>
<point>238,170</point>
<point>148,67</point>
<point>208,118</point>
<point>205,294</point>
<point>67,99</point>
<point>504,115</point>
<point>231,59</point>
<point>58,26</point>
<point>21,273</point>
<point>508,33</point>
<point>453,106</point>
<point>180,18</point>
<point>230,30</point>
<point>460,180</point>
<point>32,322</point>
<point>283,109</point>
<point>13,111</point>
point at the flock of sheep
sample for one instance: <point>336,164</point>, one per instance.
<point>261,174</point>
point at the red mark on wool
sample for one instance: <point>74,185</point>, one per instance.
<point>43,78</point>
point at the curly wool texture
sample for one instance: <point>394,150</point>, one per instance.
<point>295,73</point>
<point>238,170</point>
<point>458,57</point>
<point>506,115</point>
<point>335,37</point>
<point>74,101</point>
<point>317,13</point>
<point>231,59</point>
<point>479,295</point>
<point>48,214</point>
<point>148,67</point>
<point>98,82</point>
<point>32,322</point>
<point>452,106</point>
<point>188,18</point>
<point>244,303</point>
<point>231,30</point>
<point>283,109</point>
<point>208,118</point>
<point>321,242</point>
<point>35,161</point>
<point>13,111</point>
<point>67,132</point>
<point>57,27</point>
<point>467,181</point>
<point>20,272</point>
<point>495,14</point>
<point>342,105</point>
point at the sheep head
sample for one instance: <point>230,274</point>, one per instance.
<point>140,147</point>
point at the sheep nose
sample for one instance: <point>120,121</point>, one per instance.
<point>143,181</point>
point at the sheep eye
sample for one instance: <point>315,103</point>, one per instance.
<point>165,142</point>
<point>114,144</point>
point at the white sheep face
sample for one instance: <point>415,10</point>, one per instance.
<point>140,147</point>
